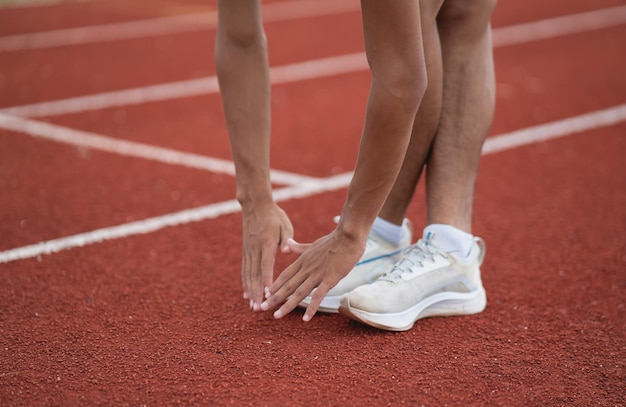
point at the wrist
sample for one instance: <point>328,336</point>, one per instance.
<point>356,231</point>
<point>254,201</point>
<point>254,190</point>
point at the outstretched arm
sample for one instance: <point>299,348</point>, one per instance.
<point>243,74</point>
<point>393,43</point>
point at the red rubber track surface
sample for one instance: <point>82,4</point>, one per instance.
<point>158,319</point>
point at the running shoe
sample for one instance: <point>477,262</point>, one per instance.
<point>426,282</point>
<point>378,258</point>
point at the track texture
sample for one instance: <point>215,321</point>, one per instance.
<point>158,318</point>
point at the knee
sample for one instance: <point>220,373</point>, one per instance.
<point>476,11</point>
<point>245,36</point>
<point>406,83</point>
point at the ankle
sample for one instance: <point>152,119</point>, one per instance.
<point>390,232</point>
<point>455,241</point>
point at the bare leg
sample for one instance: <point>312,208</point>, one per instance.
<point>467,112</point>
<point>426,120</point>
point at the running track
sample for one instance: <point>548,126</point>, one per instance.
<point>120,241</point>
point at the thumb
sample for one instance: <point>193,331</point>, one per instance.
<point>286,234</point>
<point>296,247</point>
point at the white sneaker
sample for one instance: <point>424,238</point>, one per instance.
<point>378,258</point>
<point>426,282</point>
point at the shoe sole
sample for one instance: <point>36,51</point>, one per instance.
<point>442,304</point>
<point>328,305</point>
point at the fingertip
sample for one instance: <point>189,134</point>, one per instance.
<point>309,313</point>
<point>294,247</point>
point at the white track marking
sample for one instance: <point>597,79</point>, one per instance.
<point>121,231</point>
<point>318,68</point>
<point>168,25</point>
<point>37,3</point>
<point>559,26</point>
<point>561,128</point>
<point>128,97</point>
<point>313,69</point>
<point>108,32</point>
<point>159,222</point>
<point>133,149</point>
<point>286,11</point>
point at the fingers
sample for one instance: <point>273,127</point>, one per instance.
<point>267,275</point>
<point>286,234</point>
<point>254,274</point>
<point>296,247</point>
<point>291,288</point>
<point>245,270</point>
<point>285,285</point>
<point>258,274</point>
<point>290,297</point>
<point>316,299</point>
<point>264,232</point>
<point>298,295</point>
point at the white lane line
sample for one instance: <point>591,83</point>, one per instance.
<point>313,69</point>
<point>172,219</point>
<point>36,3</point>
<point>195,87</point>
<point>559,26</point>
<point>272,12</point>
<point>560,128</point>
<point>133,149</point>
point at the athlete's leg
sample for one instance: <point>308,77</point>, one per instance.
<point>449,285</point>
<point>467,111</point>
<point>425,123</point>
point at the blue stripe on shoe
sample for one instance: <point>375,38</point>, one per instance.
<point>379,257</point>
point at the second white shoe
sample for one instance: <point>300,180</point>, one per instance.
<point>378,258</point>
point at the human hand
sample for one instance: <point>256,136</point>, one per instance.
<point>321,266</point>
<point>265,228</point>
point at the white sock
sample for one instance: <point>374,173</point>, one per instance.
<point>453,240</point>
<point>388,231</point>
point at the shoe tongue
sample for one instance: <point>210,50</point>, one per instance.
<point>442,244</point>
<point>450,239</point>
<point>431,239</point>
<point>434,241</point>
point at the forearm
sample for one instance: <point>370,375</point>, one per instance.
<point>386,134</point>
<point>393,43</point>
<point>243,74</point>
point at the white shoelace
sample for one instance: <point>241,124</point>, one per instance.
<point>413,256</point>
